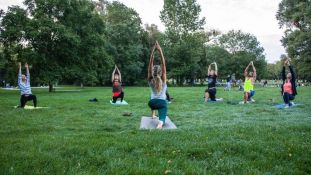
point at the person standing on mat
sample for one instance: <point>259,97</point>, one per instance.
<point>250,78</point>
<point>24,86</point>
<point>210,92</point>
<point>289,85</point>
<point>157,83</point>
<point>117,91</point>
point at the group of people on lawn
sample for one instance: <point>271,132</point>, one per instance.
<point>157,82</point>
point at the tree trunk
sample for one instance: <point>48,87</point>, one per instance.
<point>50,87</point>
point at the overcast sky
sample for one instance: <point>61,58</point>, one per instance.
<point>252,16</point>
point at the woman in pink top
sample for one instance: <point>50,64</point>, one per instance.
<point>289,85</point>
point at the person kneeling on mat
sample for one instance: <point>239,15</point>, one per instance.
<point>210,92</point>
<point>24,86</point>
<point>157,83</point>
<point>117,91</point>
<point>289,85</point>
<point>250,78</point>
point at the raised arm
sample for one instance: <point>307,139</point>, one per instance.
<point>27,72</point>
<point>209,69</point>
<point>246,70</point>
<point>151,63</point>
<point>254,71</point>
<point>113,72</point>
<point>162,59</point>
<point>19,79</point>
<point>291,71</point>
<point>216,69</point>
<point>119,72</point>
<point>283,70</point>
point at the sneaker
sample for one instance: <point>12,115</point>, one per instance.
<point>291,103</point>
<point>286,106</point>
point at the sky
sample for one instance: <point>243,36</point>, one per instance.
<point>251,16</point>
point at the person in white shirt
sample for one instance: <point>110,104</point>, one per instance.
<point>157,83</point>
<point>24,86</point>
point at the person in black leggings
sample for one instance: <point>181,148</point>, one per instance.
<point>210,92</point>
<point>24,86</point>
<point>117,91</point>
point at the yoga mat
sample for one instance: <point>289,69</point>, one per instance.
<point>31,107</point>
<point>242,102</point>
<point>151,123</point>
<point>282,106</point>
<point>119,102</point>
<point>217,100</point>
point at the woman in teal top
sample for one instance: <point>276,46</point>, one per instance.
<point>157,83</point>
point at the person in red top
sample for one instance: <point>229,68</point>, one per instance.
<point>117,91</point>
<point>289,85</point>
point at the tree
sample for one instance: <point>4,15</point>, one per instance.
<point>244,48</point>
<point>64,40</point>
<point>185,39</point>
<point>295,17</point>
<point>125,34</point>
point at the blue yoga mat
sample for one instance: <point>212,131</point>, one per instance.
<point>282,106</point>
<point>217,100</point>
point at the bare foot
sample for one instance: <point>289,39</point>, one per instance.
<point>160,125</point>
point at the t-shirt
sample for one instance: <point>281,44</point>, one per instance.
<point>288,87</point>
<point>211,81</point>
<point>161,95</point>
<point>24,87</point>
<point>116,86</point>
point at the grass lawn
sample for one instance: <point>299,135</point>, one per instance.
<point>75,136</point>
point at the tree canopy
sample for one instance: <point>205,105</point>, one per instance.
<point>80,41</point>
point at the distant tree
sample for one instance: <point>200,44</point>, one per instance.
<point>244,48</point>
<point>295,17</point>
<point>184,36</point>
<point>125,36</point>
<point>63,40</point>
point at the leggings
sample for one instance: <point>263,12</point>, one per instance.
<point>250,95</point>
<point>161,106</point>
<point>212,93</point>
<point>28,97</point>
<point>288,97</point>
<point>114,99</point>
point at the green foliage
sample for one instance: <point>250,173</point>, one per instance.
<point>184,38</point>
<point>295,17</point>
<point>244,47</point>
<point>63,40</point>
<point>74,136</point>
<point>124,34</point>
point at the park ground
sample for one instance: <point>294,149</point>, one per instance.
<point>75,136</point>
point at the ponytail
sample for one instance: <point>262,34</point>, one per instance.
<point>157,80</point>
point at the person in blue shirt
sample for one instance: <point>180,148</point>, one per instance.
<point>24,86</point>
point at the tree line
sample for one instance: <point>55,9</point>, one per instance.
<point>80,41</point>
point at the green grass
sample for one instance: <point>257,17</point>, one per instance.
<point>74,136</point>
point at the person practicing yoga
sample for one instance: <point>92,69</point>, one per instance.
<point>117,91</point>
<point>24,86</point>
<point>250,78</point>
<point>289,85</point>
<point>157,83</point>
<point>210,92</point>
